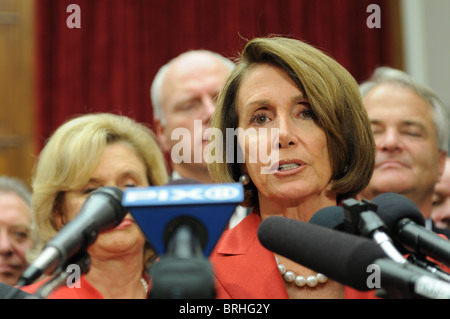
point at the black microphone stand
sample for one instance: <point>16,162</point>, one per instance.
<point>360,219</point>
<point>183,272</point>
<point>422,261</point>
<point>81,259</point>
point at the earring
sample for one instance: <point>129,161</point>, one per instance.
<point>244,179</point>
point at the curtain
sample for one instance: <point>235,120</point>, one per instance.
<point>109,63</point>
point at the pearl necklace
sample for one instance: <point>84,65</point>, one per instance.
<point>301,281</point>
<point>145,285</point>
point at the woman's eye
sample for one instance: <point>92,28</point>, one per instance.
<point>21,235</point>
<point>307,113</point>
<point>88,190</point>
<point>259,119</point>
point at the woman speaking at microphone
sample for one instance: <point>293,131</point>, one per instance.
<point>84,154</point>
<point>314,118</point>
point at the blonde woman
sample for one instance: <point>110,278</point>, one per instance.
<point>326,153</point>
<point>84,154</point>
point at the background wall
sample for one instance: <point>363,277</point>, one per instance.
<point>17,101</point>
<point>50,73</point>
<point>108,64</point>
<point>426,34</point>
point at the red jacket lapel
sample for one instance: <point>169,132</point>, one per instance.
<point>244,269</point>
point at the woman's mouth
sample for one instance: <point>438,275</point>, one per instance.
<point>287,167</point>
<point>124,224</point>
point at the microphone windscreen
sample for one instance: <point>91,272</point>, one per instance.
<point>392,208</point>
<point>338,255</point>
<point>330,217</point>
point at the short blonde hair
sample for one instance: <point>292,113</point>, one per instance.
<point>334,98</point>
<point>72,153</point>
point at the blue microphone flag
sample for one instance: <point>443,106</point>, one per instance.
<point>155,207</point>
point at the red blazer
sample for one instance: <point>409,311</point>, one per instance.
<point>244,269</point>
<point>85,291</point>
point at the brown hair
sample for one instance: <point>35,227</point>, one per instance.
<point>334,98</point>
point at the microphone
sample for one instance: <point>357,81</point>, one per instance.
<point>10,292</point>
<point>183,221</point>
<point>360,219</point>
<point>406,223</point>
<point>338,255</point>
<point>347,258</point>
<point>205,208</point>
<point>82,260</point>
<point>405,281</point>
<point>102,210</point>
<point>333,217</point>
<point>330,217</point>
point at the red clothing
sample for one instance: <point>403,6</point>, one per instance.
<point>86,290</point>
<point>351,293</point>
<point>244,269</point>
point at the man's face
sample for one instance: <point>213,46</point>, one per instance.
<point>190,91</point>
<point>408,161</point>
<point>15,238</point>
<point>441,199</point>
